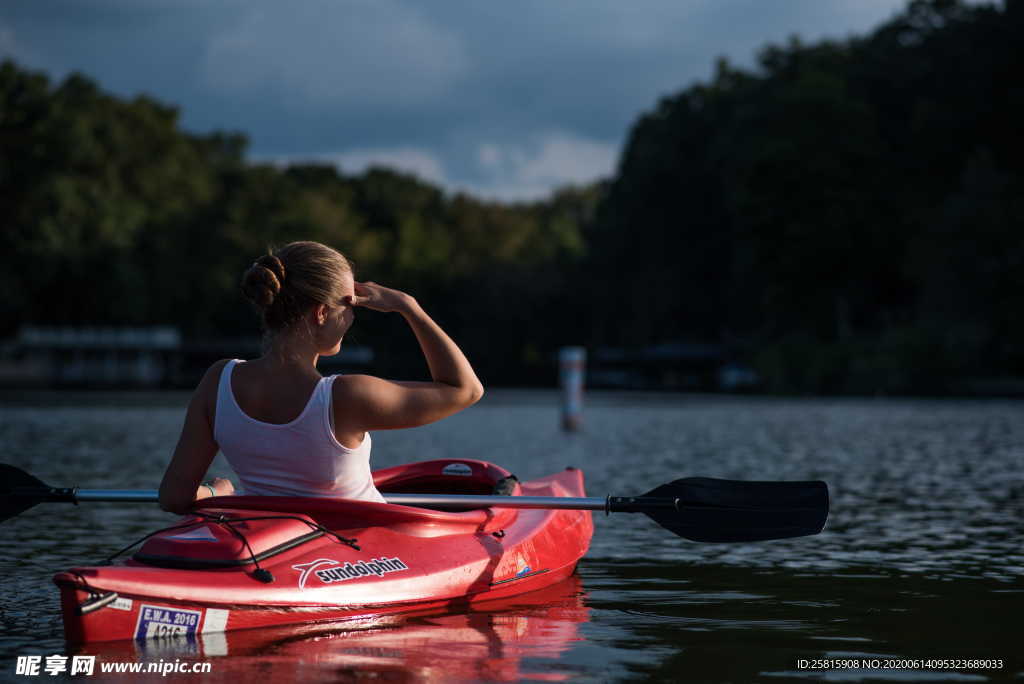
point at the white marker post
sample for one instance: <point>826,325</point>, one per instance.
<point>572,363</point>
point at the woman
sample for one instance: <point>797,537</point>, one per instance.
<point>284,429</point>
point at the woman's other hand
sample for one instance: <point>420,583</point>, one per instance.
<point>220,485</point>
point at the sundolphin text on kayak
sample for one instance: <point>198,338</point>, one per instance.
<point>239,562</point>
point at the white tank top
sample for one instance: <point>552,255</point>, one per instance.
<point>300,458</point>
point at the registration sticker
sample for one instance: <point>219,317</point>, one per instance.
<point>157,621</point>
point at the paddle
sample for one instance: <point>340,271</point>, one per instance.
<point>701,509</point>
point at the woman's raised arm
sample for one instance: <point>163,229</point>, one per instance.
<point>368,403</point>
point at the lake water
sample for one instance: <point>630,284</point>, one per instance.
<point>921,559</point>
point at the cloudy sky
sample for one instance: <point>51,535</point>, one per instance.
<point>503,99</point>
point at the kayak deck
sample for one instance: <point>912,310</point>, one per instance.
<point>242,562</point>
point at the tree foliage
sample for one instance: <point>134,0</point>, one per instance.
<point>115,216</point>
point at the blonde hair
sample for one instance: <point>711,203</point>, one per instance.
<point>287,282</point>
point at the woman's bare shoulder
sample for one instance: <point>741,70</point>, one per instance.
<point>207,389</point>
<point>212,373</point>
<point>352,386</point>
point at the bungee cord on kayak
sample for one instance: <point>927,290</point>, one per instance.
<point>230,523</point>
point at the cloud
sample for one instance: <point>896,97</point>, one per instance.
<point>416,161</point>
<point>563,158</point>
<point>419,162</point>
<point>503,171</point>
<point>325,52</point>
<point>516,171</point>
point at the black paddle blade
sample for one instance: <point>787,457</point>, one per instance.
<point>712,510</point>
<point>19,491</point>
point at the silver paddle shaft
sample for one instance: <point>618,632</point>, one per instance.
<point>118,495</point>
<point>591,503</point>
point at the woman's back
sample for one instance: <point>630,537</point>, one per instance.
<point>295,452</point>
<point>269,395</point>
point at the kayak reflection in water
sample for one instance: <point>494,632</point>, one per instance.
<point>512,639</point>
<point>286,430</point>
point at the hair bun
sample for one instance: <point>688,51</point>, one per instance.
<point>263,281</point>
<point>274,265</point>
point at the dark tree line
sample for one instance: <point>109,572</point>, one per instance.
<point>850,214</point>
<point>846,217</point>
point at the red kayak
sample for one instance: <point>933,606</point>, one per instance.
<point>241,562</point>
